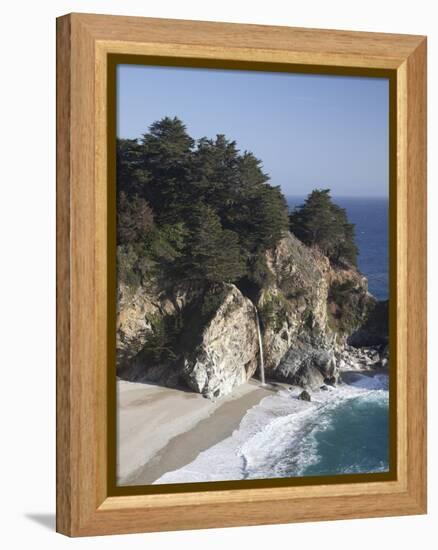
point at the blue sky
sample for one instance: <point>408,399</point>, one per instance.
<point>310,131</point>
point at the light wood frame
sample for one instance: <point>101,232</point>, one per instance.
<point>83,45</point>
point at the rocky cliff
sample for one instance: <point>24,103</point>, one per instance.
<point>308,311</point>
<point>227,352</point>
<point>204,337</point>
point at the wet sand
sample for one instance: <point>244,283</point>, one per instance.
<point>162,429</point>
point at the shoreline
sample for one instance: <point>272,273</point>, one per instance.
<point>161,430</point>
<point>179,425</point>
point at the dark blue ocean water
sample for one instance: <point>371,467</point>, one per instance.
<point>353,438</point>
<point>370,216</point>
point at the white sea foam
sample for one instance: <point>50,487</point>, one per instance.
<point>276,438</point>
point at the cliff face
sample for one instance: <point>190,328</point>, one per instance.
<point>147,322</point>
<point>293,306</point>
<point>205,337</point>
<point>140,313</point>
<point>308,311</point>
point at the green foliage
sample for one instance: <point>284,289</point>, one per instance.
<point>160,344</point>
<point>130,178</point>
<point>258,273</point>
<point>166,158</point>
<point>168,243</point>
<point>347,306</point>
<point>215,254</point>
<point>135,219</point>
<point>127,271</point>
<point>268,218</point>
<point>273,311</point>
<point>320,222</point>
<point>200,209</point>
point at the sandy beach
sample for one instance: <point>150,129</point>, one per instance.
<point>162,429</point>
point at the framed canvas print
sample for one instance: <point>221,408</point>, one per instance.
<point>241,274</point>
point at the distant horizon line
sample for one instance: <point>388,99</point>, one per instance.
<point>340,196</point>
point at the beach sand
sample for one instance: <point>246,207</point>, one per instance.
<point>162,429</point>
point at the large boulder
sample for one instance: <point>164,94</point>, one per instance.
<point>348,301</point>
<point>209,331</point>
<point>308,366</point>
<point>227,352</point>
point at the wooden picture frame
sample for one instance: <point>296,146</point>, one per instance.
<point>85,44</point>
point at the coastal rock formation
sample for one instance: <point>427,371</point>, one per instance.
<point>203,338</point>
<point>364,358</point>
<point>314,318</point>
<point>308,366</point>
<point>305,396</point>
<point>136,310</point>
<point>141,310</point>
<point>348,301</point>
<point>227,353</point>
<point>308,311</point>
<point>294,305</point>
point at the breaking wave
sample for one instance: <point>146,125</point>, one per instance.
<point>342,430</point>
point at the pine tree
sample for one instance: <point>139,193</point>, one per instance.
<point>130,176</point>
<point>319,222</point>
<point>166,156</point>
<point>214,252</point>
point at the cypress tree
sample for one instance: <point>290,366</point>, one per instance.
<point>319,222</point>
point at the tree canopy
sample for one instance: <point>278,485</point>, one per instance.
<point>196,209</point>
<point>322,223</point>
<point>202,209</point>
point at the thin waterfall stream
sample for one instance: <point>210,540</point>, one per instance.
<point>262,362</point>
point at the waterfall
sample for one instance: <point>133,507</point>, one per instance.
<point>259,334</point>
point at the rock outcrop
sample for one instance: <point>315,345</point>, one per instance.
<point>228,350</point>
<point>137,309</point>
<point>308,310</point>
<point>204,336</point>
<point>305,396</point>
<point>308,366</point>
<point>212,335</point>
<point>141,311</point>
<point>294,305</point>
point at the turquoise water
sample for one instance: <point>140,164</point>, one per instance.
<point>354,439</point>
<point>345,432</point>
<point>341,431</point>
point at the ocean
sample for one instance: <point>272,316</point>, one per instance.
<point>343,430</point>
